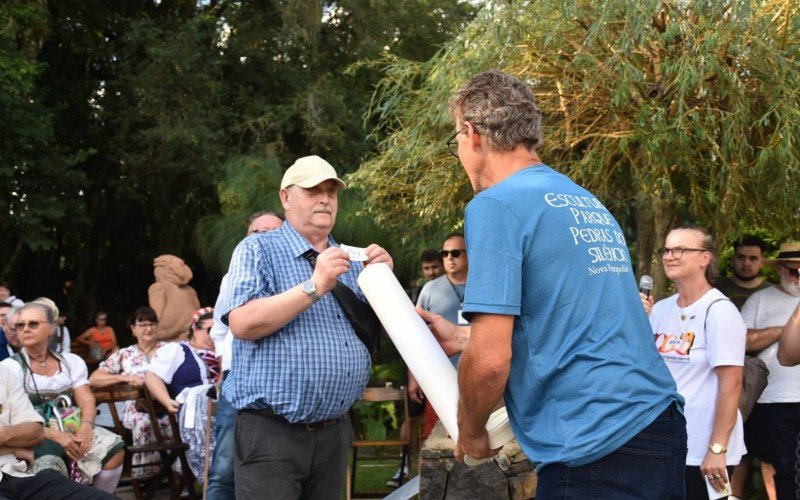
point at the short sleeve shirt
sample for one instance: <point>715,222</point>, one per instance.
<point>693,345</point>
<point>585,377</point>
<point>315,367</point>
<point>15,408</point>
<point>764,309</point>
<point>71,376</point>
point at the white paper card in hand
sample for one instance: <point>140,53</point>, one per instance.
<point>713,493</point>
<point>355,253</point>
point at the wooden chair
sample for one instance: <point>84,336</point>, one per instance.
<point>170,451</point>
<point>379,395</point>
<point>211,411</point>
<point>111,395</point>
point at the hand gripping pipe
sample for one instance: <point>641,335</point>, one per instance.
<point>422,353</point>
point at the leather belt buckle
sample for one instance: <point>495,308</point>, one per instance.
<point>322,424</point>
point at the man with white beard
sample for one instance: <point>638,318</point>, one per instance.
<point>772,429</point>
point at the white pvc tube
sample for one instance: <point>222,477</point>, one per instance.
<point>423,354</point>
<point>414,341</point>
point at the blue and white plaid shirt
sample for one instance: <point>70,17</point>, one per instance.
<point>315,367</point>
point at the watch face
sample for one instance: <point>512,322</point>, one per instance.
<point>716,448</point>
<point>309,286</point>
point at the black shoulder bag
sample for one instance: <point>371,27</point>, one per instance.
<point>365,322</point>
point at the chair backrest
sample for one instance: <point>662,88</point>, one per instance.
<point>114,394</point>
<point>387,394</point>
<point>380,394</point>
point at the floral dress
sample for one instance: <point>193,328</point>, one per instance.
<point>132,361</point>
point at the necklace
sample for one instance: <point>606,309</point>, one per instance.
<point>147,352</point>
<point>42,362</point>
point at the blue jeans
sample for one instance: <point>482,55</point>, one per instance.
<point>648,467</point>
<point>220,477</point>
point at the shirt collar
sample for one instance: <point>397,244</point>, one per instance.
<point>297,243</point>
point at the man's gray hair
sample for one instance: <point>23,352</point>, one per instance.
<point>11,313</point>
<point>501,108</point>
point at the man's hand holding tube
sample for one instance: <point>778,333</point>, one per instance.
<point>376,254</point>
<point>453,338</point>
<point>476,400</point>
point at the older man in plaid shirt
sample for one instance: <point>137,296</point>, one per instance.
<point>298,364</point>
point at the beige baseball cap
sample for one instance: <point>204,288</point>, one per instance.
<point>310,171</point>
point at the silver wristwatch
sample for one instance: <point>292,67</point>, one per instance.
<point>310,289</point>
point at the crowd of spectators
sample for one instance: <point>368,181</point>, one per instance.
<point>699,332</point>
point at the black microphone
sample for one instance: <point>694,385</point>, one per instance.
<point>646,285</point>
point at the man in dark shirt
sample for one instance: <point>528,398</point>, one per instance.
<point>748,258</point>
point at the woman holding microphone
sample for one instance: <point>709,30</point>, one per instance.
<point>701,336</point>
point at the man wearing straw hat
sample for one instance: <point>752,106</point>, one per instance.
<point>557,330</point>
<point>299,364</point>
<point>771,431</point>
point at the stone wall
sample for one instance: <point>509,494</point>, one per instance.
<point>509,476</point>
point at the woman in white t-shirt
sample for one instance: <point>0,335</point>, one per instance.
<point>701,336</point>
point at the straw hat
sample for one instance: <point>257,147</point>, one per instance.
<point>789,252</point>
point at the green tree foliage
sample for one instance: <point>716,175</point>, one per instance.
<point>126,123</point>
<point>40,185</point>
<point>669,111</point>
<point>288,86</point>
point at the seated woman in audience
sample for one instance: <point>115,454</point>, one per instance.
<point>701,336</point>
<point>90,455</point>
<point>128,365</point>
<point>179,376</point>
<point>100,339</point>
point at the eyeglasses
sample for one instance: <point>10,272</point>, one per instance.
<point>455,253</point>
<point>677,252</point>
<point>793,272</point>
<point>452,144</point>
<point>21,325</point>
<point>145,326</point>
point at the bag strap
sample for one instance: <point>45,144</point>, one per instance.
<point>350,303</point>
<point>705,320</point>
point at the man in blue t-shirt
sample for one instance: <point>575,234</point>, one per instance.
<point>557,326</point>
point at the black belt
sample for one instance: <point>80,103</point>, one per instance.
<point>313,426</point>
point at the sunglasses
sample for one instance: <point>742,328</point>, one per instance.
<point>794,273</point>
<point>145,326</point>
<point>455,253</point>
<point>21,325</point>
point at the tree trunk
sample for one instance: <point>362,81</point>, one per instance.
<point>8,265</point>
<point>663,221</point>
<point>644,240</point>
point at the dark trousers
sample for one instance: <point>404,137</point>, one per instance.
<point>696,483</point>
<point>278,460</point>
<point>48,485</point>
<point>648,467</point>
<point>772,433</point>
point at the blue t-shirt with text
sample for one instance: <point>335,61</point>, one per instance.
<point>585,377</point>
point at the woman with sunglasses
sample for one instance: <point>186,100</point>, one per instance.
<point>182,372</point>
<point>128,366</point>
<point>701,336</point>
<point>90,455</point>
